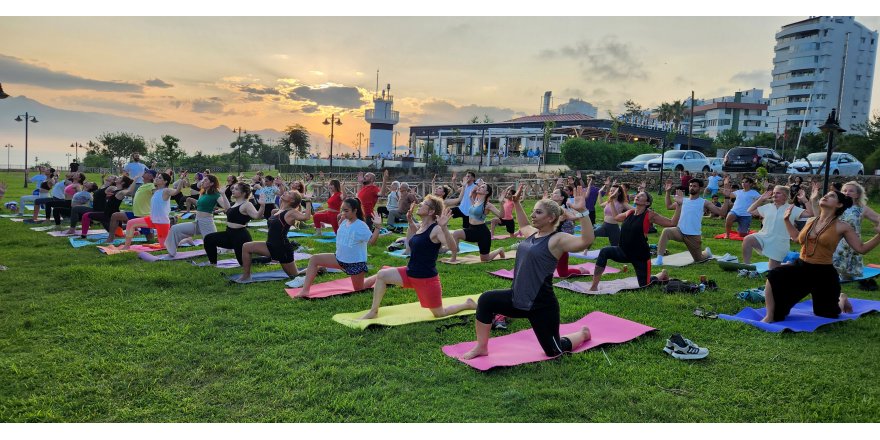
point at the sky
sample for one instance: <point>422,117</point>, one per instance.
<point>272,72</point>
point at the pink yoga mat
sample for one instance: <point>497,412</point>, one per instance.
<point>505,236</point>
<point>146,256</point>
<point>323,290</point>
<point>504,273</point>
<point>522,347</point>
<point>133,248</point>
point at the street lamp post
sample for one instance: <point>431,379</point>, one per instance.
<point>8,147</point>
<point>395,142</point>
<point>831,127</point>
<point>331,122</point>
<point>360,137</point>
<point>76,146</point>
<point>239,131</point>
<point>28,118</point>
<point>68,156</point>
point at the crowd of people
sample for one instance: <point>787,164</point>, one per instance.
<point>826,226</point>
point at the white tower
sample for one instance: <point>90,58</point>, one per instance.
<point>382,118</point>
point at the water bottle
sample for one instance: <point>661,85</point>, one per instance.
<point>702,287</point>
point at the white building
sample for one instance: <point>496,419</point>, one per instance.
<point>745,112</point>
<point>382,119</point>
<point>808,67</point>
<point>577,106</point>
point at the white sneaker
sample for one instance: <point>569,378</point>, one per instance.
<point>685,349</point>
<point>296,283</point>
<point>708,252</point>
<point>658,261</point>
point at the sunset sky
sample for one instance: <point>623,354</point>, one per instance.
<point>270,72</point>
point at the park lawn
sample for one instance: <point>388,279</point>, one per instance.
<point>91,338</point>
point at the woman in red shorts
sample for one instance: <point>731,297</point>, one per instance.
<point>331,214</point>
<point>424,241</point>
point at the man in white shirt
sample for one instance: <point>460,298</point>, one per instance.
<point>690,222</point>
<point>135,170</point>
<point>772,240</point>
<point>739,214</point>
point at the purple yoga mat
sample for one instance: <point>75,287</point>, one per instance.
<point>522,347</point>
<point>146,256</point>
<point>801,317</point>
<point>590,267</point>
<point>76,234</point>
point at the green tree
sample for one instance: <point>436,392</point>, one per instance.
<point>762,140</point>
<point>94,159</point>
<point>118,146</point>
<point>169,151</point>
<point>548,132</point>
<point>296,141</point>
<point>632,108</point>
<point>728,139</point>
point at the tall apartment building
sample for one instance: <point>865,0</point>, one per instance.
<point>811,57</point>
<point>745,112</point>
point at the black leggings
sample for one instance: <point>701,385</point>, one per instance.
<point>465,220</point>
<point>480,235</point>
<point>229,239</point>
<point>61,206</point>
<point>544,319</point>
<point>76,213</point>
<point>642,267</point>
<point>612,231</point>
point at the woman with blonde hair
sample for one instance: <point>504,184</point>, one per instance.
<point>847,261</point>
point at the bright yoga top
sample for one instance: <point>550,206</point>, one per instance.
<point>691,220</point>
<point>58,190</point>
<point>160,208</point>
<point>508,210</point>
<point>70,190</point>
<point>351,241</point>
<point>207,202</point>
<point>609,215</point>
<point>140,205</point>
<point>819,250</point>
<point>465,205</point>
<point>477,212</point>
<point>335,201</point>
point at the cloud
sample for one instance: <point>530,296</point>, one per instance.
<point>16,70</point>
<point>259,90</point>
<point>755,78</point>
<point>328,95</point>
<point>106,104</point>
<point>310,109</point>
<point>156,82</point>
<point>445,112</point>
<point>608,59</point>
<point>210,105</point>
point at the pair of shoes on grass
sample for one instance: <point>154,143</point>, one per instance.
<point>684,349</point>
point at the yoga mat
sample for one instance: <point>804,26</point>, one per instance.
<point>867,271</point>
<point>43,228</point>
<point>29,207</point>
<point>326,240</point>
<point>257,224</point>
<point>326,234</point>
<point>606,287</point>
<point>112,250</point>
<point>17,220</point>
<point>9,215</point>
<point>801,317</point>
<point>680,259</point>
<point>399,225</point>
<point>463,248</point>
<point>731,266</point>
<point>95,240</point>
<point>146,256</point>
<point>401,314</point>
<point>522,347</point>
<point>187,215</point>
<point>734,235</point>
<point>475,259</point>
<point>505,236</point>
<point>589,268</point>
<point>589,255</point>
<point>259,277</point>
<point>64,234</point>
<point>341,286</point>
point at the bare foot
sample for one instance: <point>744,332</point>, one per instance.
<point>476,352</point>
<point>471,304</point>
<point>663,275</point>
<point>501,254</point>
<point>586,332</point>
<point>124,248</point>
<point>243,279</point>
<point>370,315</point>
<point>302,294</point>
<point>845,305</point>
<point>767,319</point>
<point>594,289</point>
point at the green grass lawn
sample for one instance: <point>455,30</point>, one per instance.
<point>91,338</point>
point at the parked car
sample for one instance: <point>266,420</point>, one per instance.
<point>637,163</point>
<point>680,160</point>
<point>843,164</point>
<point>750,158</point>
<point>717,164</point>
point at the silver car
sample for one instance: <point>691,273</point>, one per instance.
<point>680,160</point>
<point>637,163</point>
<point>843,164</point>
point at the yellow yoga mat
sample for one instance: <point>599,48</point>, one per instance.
<point>475,259</point>
<point>401,314</point>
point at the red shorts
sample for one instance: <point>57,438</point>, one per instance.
<point>428,290</point>
<point>161,228</point>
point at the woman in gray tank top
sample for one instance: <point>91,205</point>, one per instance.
<point>532,294</point>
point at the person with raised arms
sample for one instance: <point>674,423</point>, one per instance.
<point>352,240</point>
<point>468,184</point>
<point>203,224</point>
<point>331,214</point>
<point>772,240</point>
<point>532,295</point>
<point>478,232</point>
<point>277,246</point>
<point>848,262</point>
<point>369,193</point>
<point>814,273</point>
<point>420,273</point>
<point>140,205</point>
<point>739,214</point>
<point>103,211</point>
<point>237,218</point>
<point>160,208</point>
<point>506,218</point>
<point>615,204</point>
<point>634,226</point>
<point>689,228</point>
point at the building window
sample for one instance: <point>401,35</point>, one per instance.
<point>855,102</point>
<point>858,77</point>
<point>727,111</point>
<point>863,39</point>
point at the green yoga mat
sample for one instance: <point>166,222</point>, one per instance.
<point>730,266</point>
<point>401,314</point>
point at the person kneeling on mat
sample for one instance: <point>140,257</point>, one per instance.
<point>277,246</point>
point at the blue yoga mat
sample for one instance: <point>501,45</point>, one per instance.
<point>801,318</point>
<point>463,248</point>
<point>326,240</point>
<point>95,240</point>
<point>295,234</point>
<point>867,272</point>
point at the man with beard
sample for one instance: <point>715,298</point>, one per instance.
<point>689,229</point>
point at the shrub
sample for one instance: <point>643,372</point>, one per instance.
<point>581,154</point>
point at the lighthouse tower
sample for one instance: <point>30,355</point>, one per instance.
<point>382,118</point>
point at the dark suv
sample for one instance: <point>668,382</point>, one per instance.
<point>750,158</point>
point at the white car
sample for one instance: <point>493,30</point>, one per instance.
<point>716,163</point>
<point>637,163</point>
<point>680,160</point>
<point>843,164</point>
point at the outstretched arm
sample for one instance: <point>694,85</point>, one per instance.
<point>521,218</point>
<point>852,238</point>
<point>571,243</point>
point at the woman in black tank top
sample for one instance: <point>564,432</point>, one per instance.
<point>532,293</point>
<point>236,233</point>
<point>633,247</point>
<point>277,246</point>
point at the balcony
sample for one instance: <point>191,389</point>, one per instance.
<point>373,118</point>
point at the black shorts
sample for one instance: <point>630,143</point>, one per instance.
<point>792,282</point>
<point>480,235</point>
<point>510,225</point>
<point>353,268</point>
<point>281,252</point>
